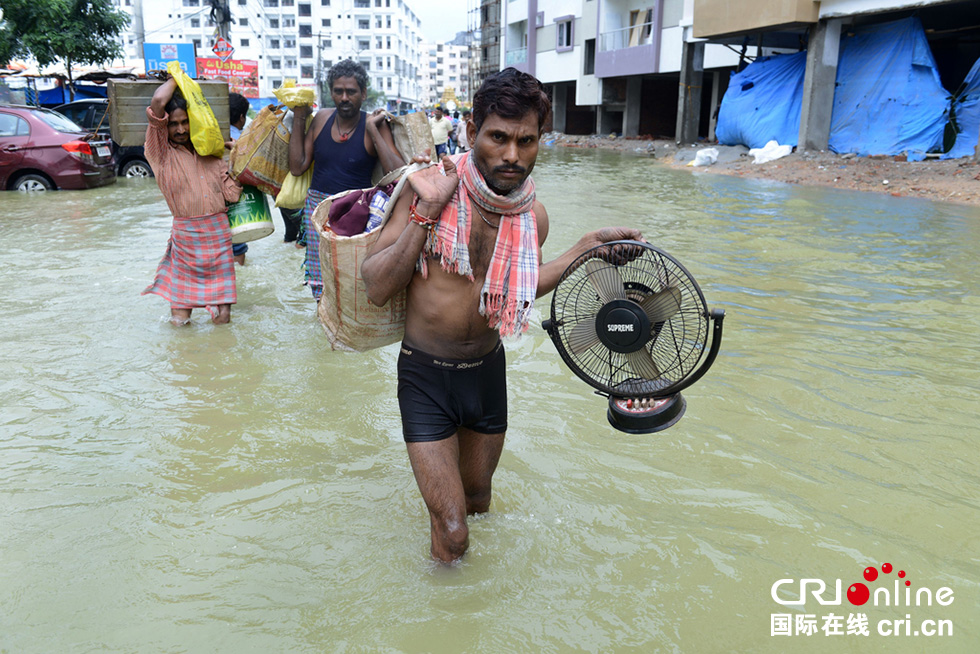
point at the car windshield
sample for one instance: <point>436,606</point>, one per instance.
<point>57,121</point>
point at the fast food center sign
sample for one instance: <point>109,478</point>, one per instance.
<point>242,75</point>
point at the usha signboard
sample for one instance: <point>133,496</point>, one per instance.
<point>156,56</point>
<point>242,75</point>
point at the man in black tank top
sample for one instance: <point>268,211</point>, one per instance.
<point>342,145</point>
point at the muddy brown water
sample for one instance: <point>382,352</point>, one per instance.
<point>245,489</point>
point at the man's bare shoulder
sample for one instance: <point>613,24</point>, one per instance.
<point>541,218</point>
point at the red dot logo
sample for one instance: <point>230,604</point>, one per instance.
<point>908,583</point>
<point>886,567</point>
<point>870,573</point>
<point>858,594</point>
<point>901,573</point>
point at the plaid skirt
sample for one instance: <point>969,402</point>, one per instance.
<point>198,269</point>
<point>314,279</point>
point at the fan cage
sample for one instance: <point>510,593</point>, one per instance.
<point>679,342</point>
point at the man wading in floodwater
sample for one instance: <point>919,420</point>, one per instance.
<point>198,269</point>
<point>469,255</point>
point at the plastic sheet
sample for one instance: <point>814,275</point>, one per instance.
<point>889,98</point>
<point>763,103</point>
<point>966,111</point>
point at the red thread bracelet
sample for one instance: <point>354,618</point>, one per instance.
<point>418,219</point>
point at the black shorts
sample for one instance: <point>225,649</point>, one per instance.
<point>438,396</point>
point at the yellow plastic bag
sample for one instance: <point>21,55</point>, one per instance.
<point>292,195</point>
<point>205,132</point>
<point>293,96</point>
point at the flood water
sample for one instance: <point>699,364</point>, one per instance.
<point>245,489</point>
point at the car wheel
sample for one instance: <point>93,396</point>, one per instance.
<point>136,169</point>
<point>32,183</point>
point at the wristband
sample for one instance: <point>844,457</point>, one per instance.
<point>420,220</point>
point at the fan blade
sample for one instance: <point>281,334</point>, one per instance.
<point>582,336</point>
<point>641,361</point>
<point>605,279</point>
<point>662,305</point>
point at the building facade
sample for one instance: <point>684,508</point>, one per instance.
<point>296,39</point>
<point>446,71</point>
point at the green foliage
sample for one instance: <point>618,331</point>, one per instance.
<point>373,100</point>
<point>70,31</point>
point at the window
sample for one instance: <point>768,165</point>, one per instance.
<point>589,57</point>
<point>288,21</point>
<point>306,30</point>
<point>306,72</point>
<point>271,3</point>
<point>304,9</point>
<point>388,22</point>
<point>274,23</point>
<point>306,52</point>
<point>11,125</point>
<point>195,22</point>
<point>197,43</point>
<point>273,44</point>
<point>241,3</point>
<point>244,43</point>
<point>327,43</point>
<point>324,3</point>
<point>363,23</point>
<point>564,27</point>
<point>243,22</point>
<point>192,3</point>
<point>363,44</point>
<point>289,43</point>
<point>275,64</point>
<point>362,4</point>
<point>325,22</point>
<point>379,43</point>
<point>287,3</point>
<point>290,62</point>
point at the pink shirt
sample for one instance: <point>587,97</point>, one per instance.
<point>191,184</point>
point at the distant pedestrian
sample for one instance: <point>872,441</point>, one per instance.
<point>441,127</point>
<point>462,139</point>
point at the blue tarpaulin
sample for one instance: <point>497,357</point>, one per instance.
<point>889,99</point>
<point>60,95</point>
<point>966,111</point>
<point>763,103</point>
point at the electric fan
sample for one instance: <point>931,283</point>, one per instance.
<point>630,321</point>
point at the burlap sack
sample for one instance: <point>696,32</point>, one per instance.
<point>261,155</point>
<point>349,320</point>
<point>412,136</point>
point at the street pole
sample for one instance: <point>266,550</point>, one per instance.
<point>138,27</point>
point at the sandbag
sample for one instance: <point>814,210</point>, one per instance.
<point>349,320</point>
<point>261,155</point>
<point>294,96</point>
<point>205,132</point>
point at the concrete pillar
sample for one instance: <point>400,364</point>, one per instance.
<point>715,100</point>
<point>689,93</point>
<point>559,107</point>
<point>818,85</point>
<point>631,112</point>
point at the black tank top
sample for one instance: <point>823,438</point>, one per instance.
<point>341,166</point>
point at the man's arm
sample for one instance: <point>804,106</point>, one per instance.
<point>549,273</point>
<point>301,139</point>
<point>390,263</point>
<point>158,103</point>
<point>384,142</point>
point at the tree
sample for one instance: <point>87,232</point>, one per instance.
<point>70,31</point>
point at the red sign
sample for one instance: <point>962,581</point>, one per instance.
<point>242,75</point>
<point>223,49</point>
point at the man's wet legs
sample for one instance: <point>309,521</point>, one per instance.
<point>454,476</point>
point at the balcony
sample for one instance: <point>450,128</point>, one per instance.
<point>633,50</point>
<point>717,18</point>
<point>516,57</point>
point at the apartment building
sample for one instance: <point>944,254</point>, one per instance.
<point>297,39</point>
<point>445,67</point>
<point>612,65</point>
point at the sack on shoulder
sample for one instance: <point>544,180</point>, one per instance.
<point>349,320</point>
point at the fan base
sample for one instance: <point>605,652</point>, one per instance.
<point>664,413</point>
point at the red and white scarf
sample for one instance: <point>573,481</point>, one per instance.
<point>512,278</point>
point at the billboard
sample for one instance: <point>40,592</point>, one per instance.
<point>242,75</point>
<point>156,56</point>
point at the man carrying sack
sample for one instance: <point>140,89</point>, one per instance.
<point>198,269</point>
<point>343,145</point>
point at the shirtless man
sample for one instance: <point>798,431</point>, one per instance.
<point>468,252</point>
